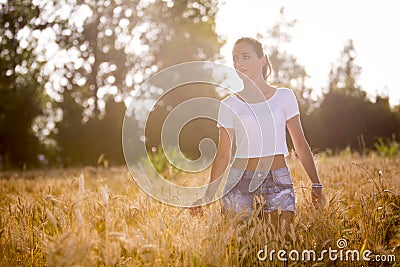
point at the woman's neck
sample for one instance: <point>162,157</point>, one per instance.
<point>255,87</point>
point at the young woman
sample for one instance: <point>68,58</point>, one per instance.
<point>245,116</point>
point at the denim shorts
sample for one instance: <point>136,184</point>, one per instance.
<point>274,187</point>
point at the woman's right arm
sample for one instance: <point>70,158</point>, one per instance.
<point>223,155</point>
<point>218,168</point>
<point>221,161</point>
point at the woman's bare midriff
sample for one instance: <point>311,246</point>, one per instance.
<point>260,164</point>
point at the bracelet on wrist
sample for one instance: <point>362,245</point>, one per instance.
<point>316,186</point>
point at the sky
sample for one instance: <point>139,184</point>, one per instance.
<point>320,34</point>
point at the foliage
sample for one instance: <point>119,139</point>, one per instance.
<point>103,50</point>
<point>21,92</point>
<point>387,147</point>
<point>168,32</point>
<point>99,217</point>
<point>83,143</point>
<point>187,29</point>
<point>160,160</point>
<point>104,46</point>
<point>61,72</point>
<point>193,131</point>
<point>345,73</point>
<point>345,113</point>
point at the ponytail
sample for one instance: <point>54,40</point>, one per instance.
<point>267,68</point>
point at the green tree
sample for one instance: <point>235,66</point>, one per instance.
<point>103,136</point>
<point>188,34</point>
<point>187,31</point>
<point>125,43</point>
<point>346,117</point>
<point>106,43</point>
<point>344,75</point>
<point>21,91</point>
<point>70,134</point>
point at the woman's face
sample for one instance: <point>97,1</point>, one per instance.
<point>245,60</point>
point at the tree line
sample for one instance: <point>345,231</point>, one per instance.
<point>68,70</point>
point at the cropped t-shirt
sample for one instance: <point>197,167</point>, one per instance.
<point>260,128</point>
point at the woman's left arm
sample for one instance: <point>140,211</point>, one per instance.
<point>305,155</point>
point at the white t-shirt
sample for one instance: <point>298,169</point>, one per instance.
<point>260,128</point>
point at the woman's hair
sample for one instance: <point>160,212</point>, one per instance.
<point>258,48</point>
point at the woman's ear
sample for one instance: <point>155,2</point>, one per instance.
<point>264,60</point>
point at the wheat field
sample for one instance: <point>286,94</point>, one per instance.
<point>100,217</point>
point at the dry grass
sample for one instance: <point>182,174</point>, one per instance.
<point>99,217</point>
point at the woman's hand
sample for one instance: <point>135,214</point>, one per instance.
<point>317,197</point>
<point>197,209</point>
